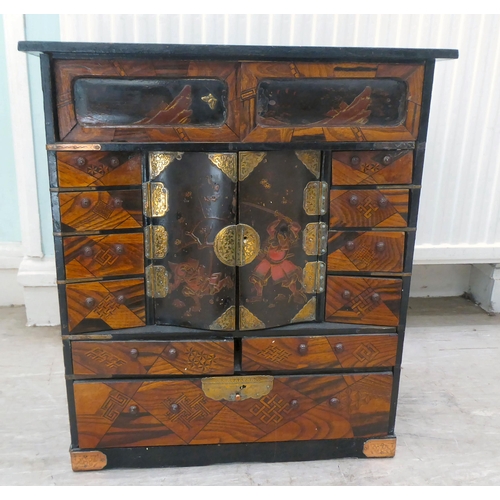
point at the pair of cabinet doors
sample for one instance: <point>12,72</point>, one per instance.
<point>234,237</point>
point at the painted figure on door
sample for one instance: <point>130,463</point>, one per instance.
<point>274,261</point>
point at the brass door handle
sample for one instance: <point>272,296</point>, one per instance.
<point>237,245</point>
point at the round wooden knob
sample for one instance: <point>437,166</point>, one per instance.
<point>350,245</point>
<point>355,160</point>
<point>302,349</point>
<point>383,202</point>
<point>80,161</point>
<point>333,402</point>
<point>339,348</point>
<point>87,251</point>
<point>85,203</point>
<point>386,159</point>
<point>90,302</point>
<point>380,246</point>
<point>175,408</point>
<point>134,353</point>
<point>114,161</point>
<point>346,294</point>
<point>133,409</point>
<point>172,353</point>
<point>294,404</point>
<point>353,200</point>
<point>119,248</point>
<point>237,397</point>
<point>117,202</point>
<point>376,297</point>
<point>120,299</point>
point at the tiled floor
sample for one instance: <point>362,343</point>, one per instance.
<point>448,424</point>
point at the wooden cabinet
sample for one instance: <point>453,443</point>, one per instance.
<point>234,231</point>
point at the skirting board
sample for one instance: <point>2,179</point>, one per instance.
<point>11,292</point>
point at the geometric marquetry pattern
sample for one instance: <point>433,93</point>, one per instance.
<point>173,412</point>
<point>373,301</point>
<point>321,352</point>
<point>153,358</point>
<point>105,305</point>
<point>369,208</point>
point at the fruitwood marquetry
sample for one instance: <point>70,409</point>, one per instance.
<point>173,412</point>
<point>350,168</point>
<point>101,256</point>
<point>366,251</point>
<point>85,169</point>
<point>369,208</point>
<point>105,305</point>
<point>94,211</point>
<point>215,357</point>
<point>320,352</point>
<point>375,301</point>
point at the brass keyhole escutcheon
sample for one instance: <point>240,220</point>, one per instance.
<point>237,245</point>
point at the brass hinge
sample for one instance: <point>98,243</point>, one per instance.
<point>155,242</point>
<point>154,199</point>
<point>315,238</point>
<point>237,245</point>
<point>316,198</point>
<point>156,282</point>
<point>313,278</point>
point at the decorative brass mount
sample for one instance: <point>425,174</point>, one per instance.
<point>154,199</point>
<point>316,198</point>
<point>237,245</point>
<point>156,281</point>
<point>237,388</point>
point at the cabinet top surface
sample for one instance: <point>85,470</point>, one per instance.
<point>231,52</point>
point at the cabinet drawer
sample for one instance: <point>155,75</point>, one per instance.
<point>350,168</point>
<point>315,353</point>
<point>156,101</point>
<point>93,211</point>
<point>366,251</point>
<point>153,358</point>
<point>369,208</point>
<point>374,301</point>
<point>102,256</point>
<point>179,412</point>
<point>293,101</point>
<point>105,305</point>
<point>83,169</point>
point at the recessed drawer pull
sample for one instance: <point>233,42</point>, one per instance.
<point>350,245</point>
<point>294,404</point>
<point>117,202</point>
<point>175,408</point>
<point>334,402</point>
<point>376,297</point>
<point>386,159</point>
<point>119,248</point>
<point>114,161</point>
<point>90,302</point>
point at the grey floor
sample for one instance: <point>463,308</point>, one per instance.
<point>448,424</point>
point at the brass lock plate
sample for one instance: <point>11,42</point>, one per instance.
<point>237,245</point>
<point>237,388</point>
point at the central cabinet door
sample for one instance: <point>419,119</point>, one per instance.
<point>241,235</point>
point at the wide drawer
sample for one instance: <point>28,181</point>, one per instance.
<point>153,101</point>
<point>105,305</point>
<point>319,352</point>
<point>369,208</point>
<point>350,168</point>
<point>372,251</point>
<point>84,169</point>
<point>153,358</point>
<point>179,412</point>
<point>374,301</point>
<point>98,210</point>
<point>103,256</point>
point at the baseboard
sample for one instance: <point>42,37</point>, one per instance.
<point>11,292</point>
<point>485,286</point>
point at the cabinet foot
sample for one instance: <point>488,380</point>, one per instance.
<point>380,448</point>
<point>87,460</point>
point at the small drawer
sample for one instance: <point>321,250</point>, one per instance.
<point>102,256</point>
<point>84,169</point>
<point>105,305</point>
<point>153,358</point>
<point>369,208</point>
<point>97,210</point>
<point>366,251</point>
<point>374,301</point>
<point>198,411</point>
<point>315,353</point>
<point>350,168</point>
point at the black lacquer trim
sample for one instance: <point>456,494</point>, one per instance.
<point>49,98</point>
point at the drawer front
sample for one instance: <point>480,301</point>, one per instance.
<point>105,305</point>
<point>366,251</point>
<point>293,101</point>
<point>154,101</point>
<point>94,211</point>
<point>83,169</point>
<point>369,208</point>
<point>153,358</point>
<point>350,168</point>
<point>102,256</point>
<point>374,301</point>
<point>315,353</point>
<point>178,412</point>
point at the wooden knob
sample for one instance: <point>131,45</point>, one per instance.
<point>114,161</point>
<point>376,297</point>
<point>237,397</point>
<point>117,202</point>
<point>302,349</point>
<point>120,299</point>
<point>346,294</point>
<point>175,408</point>
<point>339,348</point>
<point>350,245</point>
<point>383,202</point>
<point>294,404</point>
<point>134,353</point>
<point>81,161</point>
<point>333,402</point>
<point>87,251</point>
<point>133,409</point>
<point>85,203</point>
<point>119,248</point>
<point>353,200</point>
<point>90,302</point>
<point>355,160</point>
<point>172,353</point>
<point>386,159</point>
<point>380,246</point>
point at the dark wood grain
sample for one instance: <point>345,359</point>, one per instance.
<point>93,211</point>
<point>105,305</point>
<point>183,357</point>
<point>375,301</point>
<point>369,208</point>
<point>315,353</point>
<point>373,251</point>
<point>350,168</point>
<point>298,408</point>
<point>102,256</point>
<point>84,169</point>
